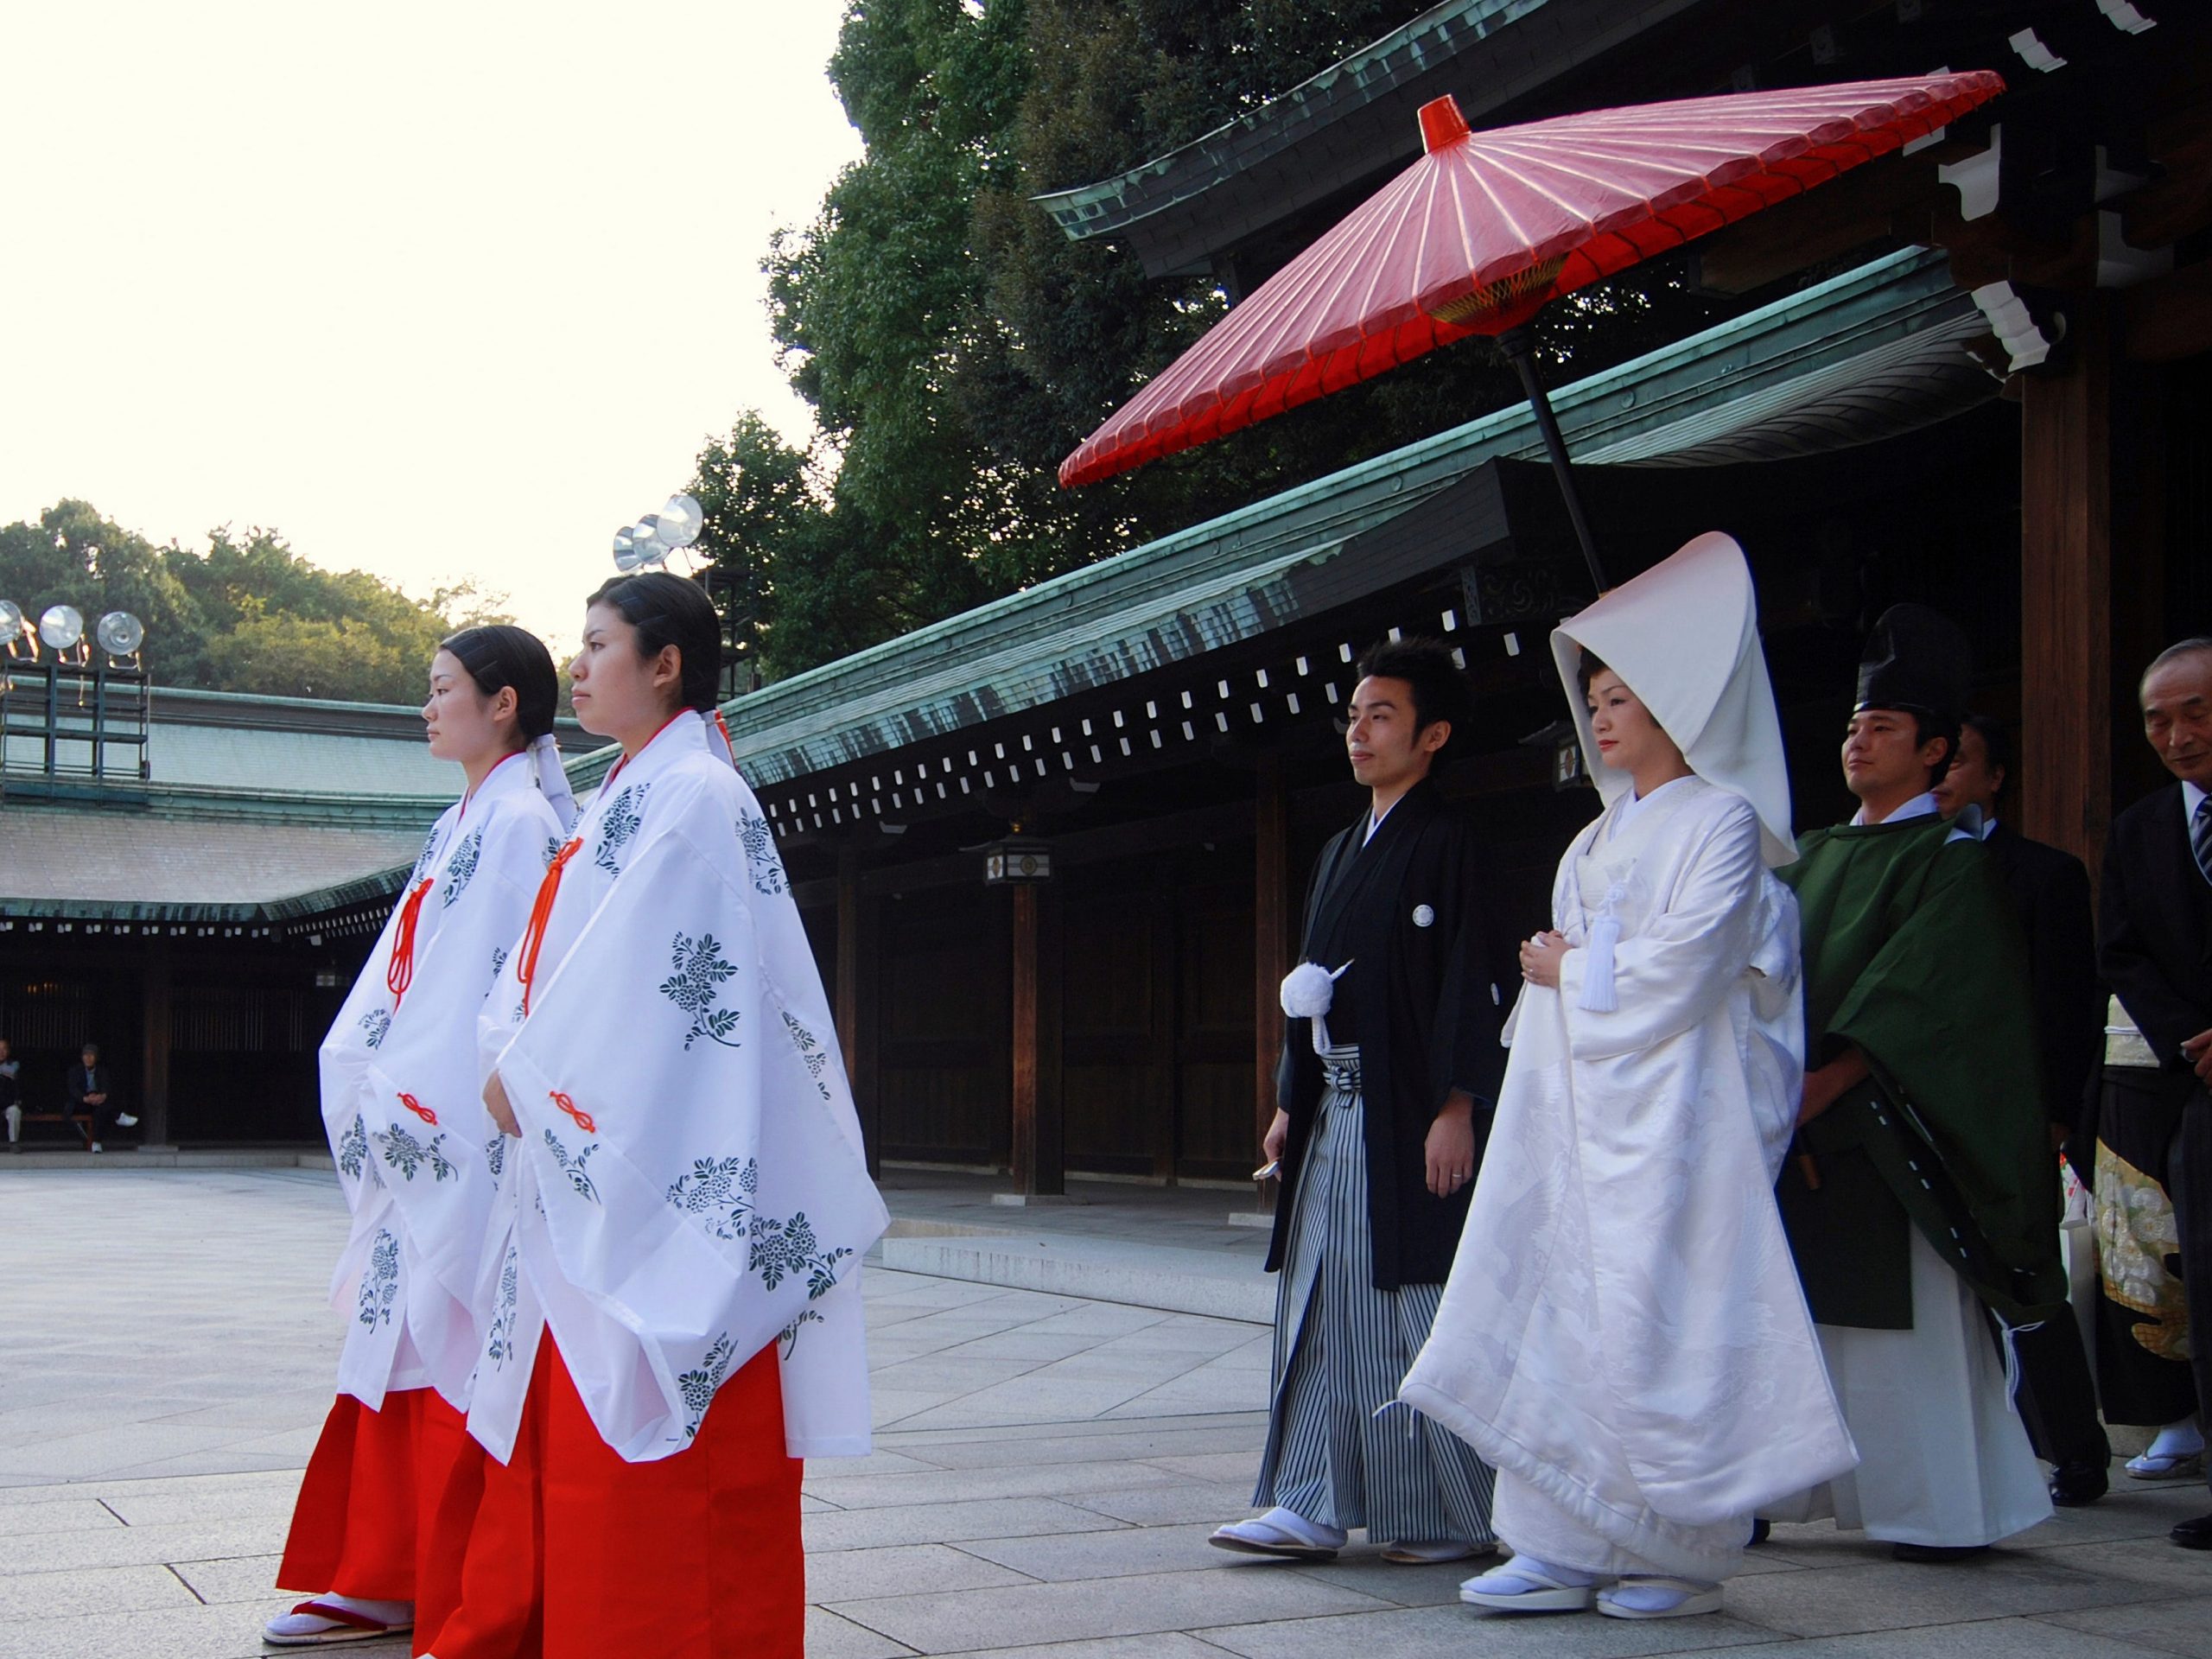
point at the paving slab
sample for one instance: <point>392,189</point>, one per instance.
<point>962,1621</point>
<point>90,1590</point>
<point>1103,1556</point>
<point>916,1523</point>
<point>1995,1638</point>
<point>1154,1646</point>
<point>1456,1632</point>
<point>828,1637</point>
<point>1046,1470</point>
<point>1890,1595</point>
<point>1184,1502</point>
<point>951,1485</point>
<point>2182,1627</point>
<point>898,1570</point>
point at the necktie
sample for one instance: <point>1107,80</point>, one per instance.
<point>2200,836</point>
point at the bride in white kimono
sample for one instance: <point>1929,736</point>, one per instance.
<point>416,1156</point>
<point>1623,1335</point>
<point>671,1303</point>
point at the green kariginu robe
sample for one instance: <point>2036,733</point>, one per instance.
<point>1914,953</point>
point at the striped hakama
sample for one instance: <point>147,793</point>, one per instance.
<point>1342,1347</point>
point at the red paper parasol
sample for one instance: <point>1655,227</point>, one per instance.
<point>1478,233</point>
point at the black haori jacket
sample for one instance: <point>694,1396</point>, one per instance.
<point>1405,911</point>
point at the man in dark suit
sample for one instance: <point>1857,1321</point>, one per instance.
<point>2050,890</point>
<point>91,1091</point>
<point>2154,940</point>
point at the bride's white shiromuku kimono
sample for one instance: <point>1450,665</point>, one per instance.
<point>690,1186</point>
<point>418,1154</point>
<point>1623,1335</point>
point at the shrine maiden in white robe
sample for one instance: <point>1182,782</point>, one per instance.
<point>690,1186</point>
<point>1623,1335</point>
<point>418,1154</point>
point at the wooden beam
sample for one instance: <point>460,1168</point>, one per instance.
<point>855,1001</point>
<point>1039,1142</point>
<point>1825,222</point>
<point>155,1031</point>
<point>2170,317</point>
<point>847,994</point>
<point>1273,945</point>
<point>2066,596</point>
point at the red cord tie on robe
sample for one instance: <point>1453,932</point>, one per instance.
<point>400,974</point>
<point>584,1119</point>
<point>541,912</point>
<point>419,1109</point>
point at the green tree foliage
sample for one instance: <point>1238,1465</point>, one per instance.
<point>956,345</point>
<point>248,615</point>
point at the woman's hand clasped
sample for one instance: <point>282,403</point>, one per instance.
<point>495,1101</point>
<point>1541,957</point>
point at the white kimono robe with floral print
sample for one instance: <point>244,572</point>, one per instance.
<point>1623,1333</point>
<point>418,1154</point>
<point>690,1185</point>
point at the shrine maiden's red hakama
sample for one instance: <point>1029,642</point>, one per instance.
<point>670,1303</point>
<point>574,1553</point>
<point>418,1158</point>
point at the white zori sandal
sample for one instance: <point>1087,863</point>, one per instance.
<point>1283,1534</point>
<point>1525,1585</point>
<point>1654,1597</point>
<point>328,1620</point>
<point>2177,1453</point>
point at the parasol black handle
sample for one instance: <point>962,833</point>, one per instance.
<point>1520,345</point>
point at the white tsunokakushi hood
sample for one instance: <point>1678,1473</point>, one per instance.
<point>1684,637</point>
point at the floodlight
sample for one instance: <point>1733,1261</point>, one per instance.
<point>680,520</point>
<point>11,619</point>
<point>120,633</point>
<point>62,626</point>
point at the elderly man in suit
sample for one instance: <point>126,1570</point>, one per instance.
<point>92,1089</point>
<point>2154,938</point>
<point>2050,890</point>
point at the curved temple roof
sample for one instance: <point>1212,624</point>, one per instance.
<point>1757,384</point>
<point>1344,124</point>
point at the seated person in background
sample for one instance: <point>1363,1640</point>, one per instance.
<point>11,1096</point>
<point>90,1090</point>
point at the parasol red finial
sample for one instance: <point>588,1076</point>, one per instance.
<point>1441,123</point>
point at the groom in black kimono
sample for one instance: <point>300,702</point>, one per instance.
<point>1385,1087</point>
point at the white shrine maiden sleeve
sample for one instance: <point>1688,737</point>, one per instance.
<point>688,1136</point>
<point>423,1105</point>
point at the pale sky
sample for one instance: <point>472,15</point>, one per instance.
<point>435,290</point>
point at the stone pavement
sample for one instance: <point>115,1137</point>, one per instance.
<point>1048,1467</point>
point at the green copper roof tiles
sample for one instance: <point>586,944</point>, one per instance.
<point>1210,583</point>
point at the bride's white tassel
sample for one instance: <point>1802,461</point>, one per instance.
<point>1598,996</point>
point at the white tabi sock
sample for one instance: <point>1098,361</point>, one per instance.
<point>2181,1440</point>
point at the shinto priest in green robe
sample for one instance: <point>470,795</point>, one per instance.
<point>1925,1200</point>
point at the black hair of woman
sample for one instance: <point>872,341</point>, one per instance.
<point>499,655</point>
<point>670,610</point>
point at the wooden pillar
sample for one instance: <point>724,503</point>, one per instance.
<point>2065,785</point>
<point>154,1033</point>
<point>854,1003</point>
<point>1272,943</point>
<point>1038,1143</point>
